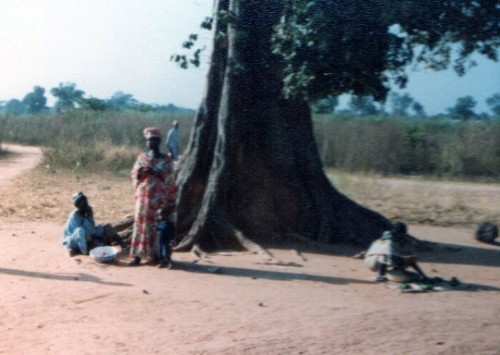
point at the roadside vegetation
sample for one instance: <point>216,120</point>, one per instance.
<point>439,147</point>
<point>397,138</point>
<point>83,140</point>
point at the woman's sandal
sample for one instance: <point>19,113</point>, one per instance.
<point>135,262</point>
<point>165,264</point>
<point>152,262</point>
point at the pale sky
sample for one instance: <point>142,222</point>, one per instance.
<point>105,46</point>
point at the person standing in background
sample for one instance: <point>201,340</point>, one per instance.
<point>172,141</point>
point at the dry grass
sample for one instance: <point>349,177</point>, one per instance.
<point>45,194</point>
<point>422,201</point>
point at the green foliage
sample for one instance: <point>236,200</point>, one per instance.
<point>110,140</point>
<point>224,18</point>
<point>67,96</point>
<point>494,103</point>
<point>122,101</point>
<point>94,104</point>
<point>463,109</point>
<point>184,60</point>
<point>336,47</point>
<point>401,103</point>
<point>441,147</point>
<point>15,107</point>
<point>207,23</point>
<point>35,101</point>
<point>325,105</point>
<point>363,106</point>
<point>417,151</point>
<point>190,42</point>
<point>418,108</point>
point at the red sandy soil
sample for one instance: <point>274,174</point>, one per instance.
<point>238,303</point>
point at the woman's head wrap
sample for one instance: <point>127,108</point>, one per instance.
<point>78,197</point>
<point>152,132</point>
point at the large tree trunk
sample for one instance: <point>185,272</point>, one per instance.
<point>252,173</point>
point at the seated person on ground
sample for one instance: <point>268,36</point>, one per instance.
<point>81,232</point>
<point>390,255</point>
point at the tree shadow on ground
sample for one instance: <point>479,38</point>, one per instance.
<point>61,277</point>
<point>461,254</point>
<point>434,252</point>
<point>445,253</point>
<point>264,274</point>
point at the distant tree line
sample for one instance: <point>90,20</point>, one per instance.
<point>403,105</point>
<point>68,97</point>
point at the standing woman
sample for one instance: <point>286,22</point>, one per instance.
<point>153,177</point>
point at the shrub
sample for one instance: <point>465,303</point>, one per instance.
<point>110,140</point>
<point>410,146</point>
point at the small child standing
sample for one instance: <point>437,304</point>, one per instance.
<point>166,236</point>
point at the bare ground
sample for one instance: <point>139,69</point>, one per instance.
<point>229,303</point>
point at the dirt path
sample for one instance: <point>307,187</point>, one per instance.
<point>238,303</point>
<point>20,159</point>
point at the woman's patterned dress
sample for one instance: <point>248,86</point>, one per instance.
<point>152,192</point>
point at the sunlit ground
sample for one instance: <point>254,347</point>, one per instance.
<point>45,194</point>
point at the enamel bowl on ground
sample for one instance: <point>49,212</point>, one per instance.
<point>104,254</point>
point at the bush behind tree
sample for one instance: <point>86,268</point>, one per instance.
<point>110,140</point>
<point>440,147</point>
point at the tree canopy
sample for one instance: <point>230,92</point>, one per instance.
<point>363,105</point>
<point>401,103</point>
<point>329,48</point>
<point>35,101</point>
<point>93,104</point>
<point>15,107</point>
<point>67,96</point>
<point>122,101</point>
<point>334,47</point>
<point>464,108</point>
<point>494,103</point>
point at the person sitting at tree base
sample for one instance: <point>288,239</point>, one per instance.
<point>391,255</point>
<point>82,234</point>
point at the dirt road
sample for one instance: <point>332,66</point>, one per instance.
<point>20,159</point>
<point>238,303</point>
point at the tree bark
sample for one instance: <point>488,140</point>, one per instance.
<point>252,173</point>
